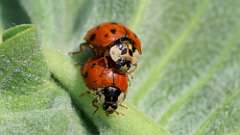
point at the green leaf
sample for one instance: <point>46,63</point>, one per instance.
<point>30,102</point>
<point>187,80</point>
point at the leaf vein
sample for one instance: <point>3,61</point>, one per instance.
<point>213,115</point>
<point>151,78</point>
<point>201,82</point>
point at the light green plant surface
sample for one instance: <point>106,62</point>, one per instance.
<point>187,82</point>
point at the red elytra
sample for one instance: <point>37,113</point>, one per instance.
<point>96,75</point>
<point>105,34</point>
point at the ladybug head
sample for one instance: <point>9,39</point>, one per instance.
<point>112,97</point>
<point>124,55</point>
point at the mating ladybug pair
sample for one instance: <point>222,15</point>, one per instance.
<point>116,50</point>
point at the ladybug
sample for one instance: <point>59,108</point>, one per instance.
<point>109,86</point>
<point>116,41</point>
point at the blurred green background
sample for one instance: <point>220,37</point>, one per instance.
<point>187,81</point>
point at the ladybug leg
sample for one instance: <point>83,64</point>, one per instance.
<point>119,113</point>
<point>85,93</point>
<point>95,103</point>
<point>105,58</point>
<point>74,53</point>
<point>77,64</point>
<point>82,47</point>
<point>124,106</point>
<point>132,70</point>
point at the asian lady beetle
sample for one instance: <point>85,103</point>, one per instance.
<point>109,86</point>
<point>116,41</point>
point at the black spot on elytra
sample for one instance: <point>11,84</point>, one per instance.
<point>98,26</point>
<point>85,75</point>
<point>113,31</point>
<point>93,36</point>
<point>93,65</point>
<point>114,23</point>
<point>106,35</point>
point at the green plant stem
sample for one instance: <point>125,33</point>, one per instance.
<point>132,122</point>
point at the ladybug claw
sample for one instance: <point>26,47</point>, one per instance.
<point>131,76</point>
<point>95,111</point>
